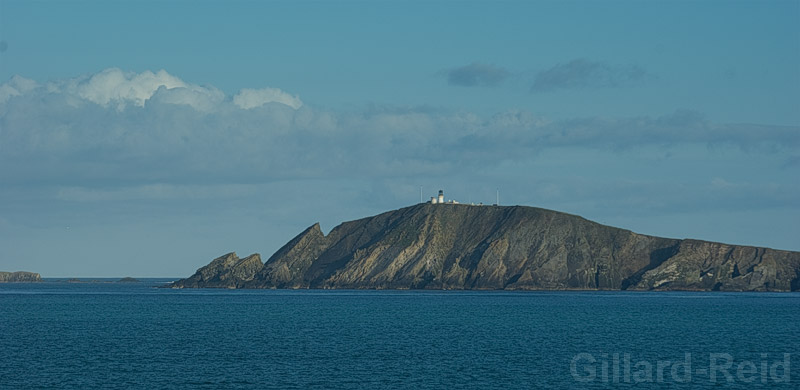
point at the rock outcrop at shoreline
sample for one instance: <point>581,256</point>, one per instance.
<point>227,271</point>
<point>20,276</point>
<point>453,246</point>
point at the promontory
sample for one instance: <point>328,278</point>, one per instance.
<point>464,247</point>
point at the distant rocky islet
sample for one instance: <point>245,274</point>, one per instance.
<point>19,276</point>
<point>27,277</point>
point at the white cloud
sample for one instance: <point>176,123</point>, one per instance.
<point>17,86</point>
<point>6,92</point>
<point>252,98</point>
<point>115,87</point>
<point>201,99</point>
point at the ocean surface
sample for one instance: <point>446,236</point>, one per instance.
<point>106,335</point>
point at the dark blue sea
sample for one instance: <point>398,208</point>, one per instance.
<point>105,335</point>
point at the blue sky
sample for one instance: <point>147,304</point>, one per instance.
<point>146,138</point>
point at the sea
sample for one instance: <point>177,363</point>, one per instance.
<point>104,334</point>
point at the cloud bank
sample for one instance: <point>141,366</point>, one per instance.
<point>476,75</point>
<point>583,73</point>
<point>153,127</point>
<point>117,136</point>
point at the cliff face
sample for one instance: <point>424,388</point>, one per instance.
<point>489,247</point>
<point>20,276</point>
<point>700,265</point>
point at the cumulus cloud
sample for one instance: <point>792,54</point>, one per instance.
<point>117,89</point>
<point>476,74</point>
<point>583,73</point>
<point>15,87</point>
<point>252,98</point>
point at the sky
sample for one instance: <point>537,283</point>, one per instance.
<point>146,138</point>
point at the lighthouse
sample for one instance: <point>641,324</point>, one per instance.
<point>440,199</point>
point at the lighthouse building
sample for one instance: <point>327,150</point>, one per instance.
<point>440,199</point>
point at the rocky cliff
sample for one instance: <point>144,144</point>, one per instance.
<point>227,271</point>
<point>20,276</point>
<point>453,246</point>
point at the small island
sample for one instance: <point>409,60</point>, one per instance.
<point>445,245</point>
<point>19,277</point>
<point>128,279</point>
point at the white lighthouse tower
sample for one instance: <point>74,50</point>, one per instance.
<point>440,199</point>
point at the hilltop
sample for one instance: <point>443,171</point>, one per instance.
<point>455,246</point>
